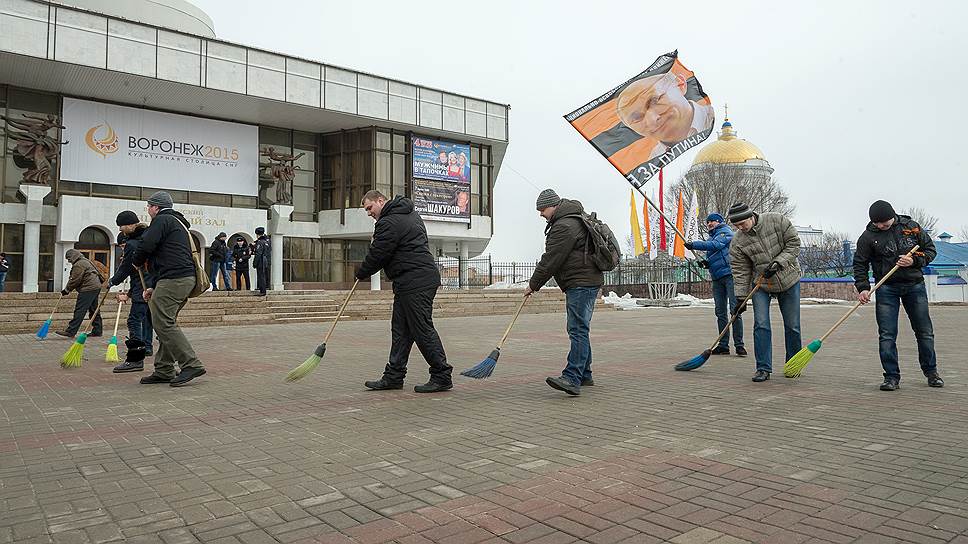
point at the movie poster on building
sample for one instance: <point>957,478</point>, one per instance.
<point>441,161</point>
<point>442,200</point>
<point>645,123</point>
<point>118,145</point>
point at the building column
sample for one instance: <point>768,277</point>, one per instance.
<point>463,265</point>
<point>34,211</point>
<point>279,226</point>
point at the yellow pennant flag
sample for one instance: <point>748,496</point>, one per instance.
<point>680,246</point>
<point>637,248</point>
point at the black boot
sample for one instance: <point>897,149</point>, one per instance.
<point>720,350</point>
<point>891,384</point>
<point>761,376</point>
<point>433,386</point>
<point>383,385</point>
<point>563,384</point>
<point>741,351</point>
<point>934,380</point>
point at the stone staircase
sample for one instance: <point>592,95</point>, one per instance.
<point>25,312</point>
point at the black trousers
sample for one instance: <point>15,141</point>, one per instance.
<point>262,278</point>
<point>413,322</point>
<point>86,305</point>
<point>242,273</point>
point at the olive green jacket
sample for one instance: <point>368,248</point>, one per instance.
<point>772,238</point>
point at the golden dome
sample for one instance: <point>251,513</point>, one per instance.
<point>728,149</point>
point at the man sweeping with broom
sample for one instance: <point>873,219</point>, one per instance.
<point>401,248</point>
<point>87,281</point>
<point>140,333</point>
<point>885,243</point>
<point>767,245</point>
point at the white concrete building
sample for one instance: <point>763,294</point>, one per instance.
<point>154,85</point>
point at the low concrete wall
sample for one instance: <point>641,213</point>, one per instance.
<point>833,288</point>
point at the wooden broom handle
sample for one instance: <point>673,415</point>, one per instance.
<point>104,297</point>
<point>513,319</point>
<point>722,333</point>
<point>858,304</point>
<point>340,312</point>
<point>52,312</point>
<point>117,318</point>
<point>142,276</point>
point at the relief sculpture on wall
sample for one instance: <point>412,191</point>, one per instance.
<point>34,150</point>
<point>279,170</point>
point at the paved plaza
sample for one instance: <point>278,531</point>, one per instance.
<point>646,455</point>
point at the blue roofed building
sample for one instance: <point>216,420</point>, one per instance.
<point>946,278</point>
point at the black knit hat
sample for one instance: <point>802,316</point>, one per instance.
<point>739,212</point>
<point>882,211</point>
<point>127,217</point>
<point>259,231</point>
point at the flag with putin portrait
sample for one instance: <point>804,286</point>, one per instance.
<point>645,123</point>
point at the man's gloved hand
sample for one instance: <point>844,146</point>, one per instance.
<point>689,246</point>
<point>771,270</point>
<point>704,263</point>
<point>64,292</point>
<point>739,307</point>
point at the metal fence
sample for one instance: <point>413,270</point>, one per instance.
<point>483,271</point>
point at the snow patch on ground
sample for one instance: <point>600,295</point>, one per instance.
<point>508,285</point>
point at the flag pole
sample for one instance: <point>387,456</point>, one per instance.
<point>664,218</point>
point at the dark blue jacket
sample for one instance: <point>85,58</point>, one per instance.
<point>126,269</point>
<point>717,250</point>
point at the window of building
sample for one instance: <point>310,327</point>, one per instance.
<point>481,182</point>
<point>356,161</point>
<point>305,186</point>
<point>302,259</point>
<point>12,243</point>
<point>45,271</point>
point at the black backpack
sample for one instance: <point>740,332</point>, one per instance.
<point>602,244</point>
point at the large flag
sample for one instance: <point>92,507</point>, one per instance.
<point>692,219</point>
<point>637,248</point>
<point>679,249</point>
<point>649,120</point>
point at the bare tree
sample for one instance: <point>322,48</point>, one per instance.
<point>719,186</point>
<point>963,233</point>
<point>919,214</point>
<point>832,257</point>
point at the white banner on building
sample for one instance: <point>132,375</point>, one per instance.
<point>117,145</point>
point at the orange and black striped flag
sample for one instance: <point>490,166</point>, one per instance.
<point>646,122</point>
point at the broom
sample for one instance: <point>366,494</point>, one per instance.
<point>486,367</point>
<point>794,367</point>
<point>45,328</point>
<point>312,362</point>
<point>112,355</point>
<point>72,358</point>
<point>701,359</point>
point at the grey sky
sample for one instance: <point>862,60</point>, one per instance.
<point>849,101</point>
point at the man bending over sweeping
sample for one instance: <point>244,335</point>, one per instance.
<point>400,247</point>
<point>885,243</point>
<point>767,245</point>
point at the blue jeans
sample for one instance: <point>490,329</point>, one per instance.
<point>139,324</point>
<point>579,304</point>
<point>789,302</point>
<point>722,296</point>
<point>3,281</point>
<point>888,302</point>
<point>225,275</point>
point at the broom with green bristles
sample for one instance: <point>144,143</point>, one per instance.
<point>45,328</point>
<point>112,355</point>
<point>794,367</point>
<point>72,358</point>
<point>485,368</point>
<point>699,360</point>
<point>312,362</point>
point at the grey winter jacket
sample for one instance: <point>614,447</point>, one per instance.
<point>772,238</point>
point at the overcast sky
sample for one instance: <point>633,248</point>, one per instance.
<point>850,101</point>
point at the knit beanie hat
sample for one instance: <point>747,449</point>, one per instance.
<point>161,199</point>
<point>259,231</point>
<point>882,211</point>
<point>739,212</point>
<point>127,217</point>
<point>547,198</point>
<point>715,217</point>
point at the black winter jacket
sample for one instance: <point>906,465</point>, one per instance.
<point>166,243</point>
<point>567,257</point>
<point>880,250</point>
<point>218,252</point>
<point>262,254</point>
<point>400,247</point>
<point>126,269</point>
<point>241,254</point>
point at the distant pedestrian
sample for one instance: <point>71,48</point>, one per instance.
<point>140,332</point>
<point>218,254</point>
<point>262,259</point>
<point>241,255</point>
<point>168,245</point>
<point>567,258</point>
<point>885,243</point>
<point>4,268</point>
<point>767,245</point>
<point>717,255</point>
<point>86,281</point>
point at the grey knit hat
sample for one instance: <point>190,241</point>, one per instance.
<point>161,199</point>
<point>739,212</point>
<point>547,198</point>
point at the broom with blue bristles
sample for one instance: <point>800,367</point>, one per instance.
<point>45,328</point>
<point>486,367</point>
<point>112,355</point>
<point>699,360</point>
<point>312,362</point>
<point>794,367</point>
<point>72,358</point>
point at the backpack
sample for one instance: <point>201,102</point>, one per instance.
<point>602,244</point>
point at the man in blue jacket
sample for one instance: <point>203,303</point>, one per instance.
<point>717,255</point>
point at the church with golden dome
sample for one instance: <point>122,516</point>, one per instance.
<point>729,153</point>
